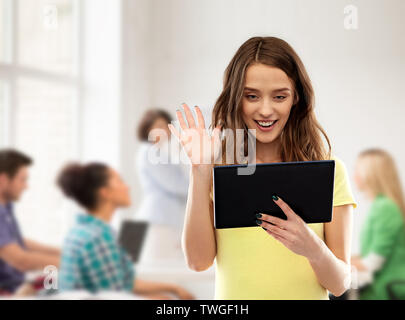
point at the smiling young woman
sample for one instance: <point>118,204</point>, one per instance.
<point>267,88</point>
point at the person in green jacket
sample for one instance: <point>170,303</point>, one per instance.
<point>381,264</point>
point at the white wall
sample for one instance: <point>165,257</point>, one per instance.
<point>178,51</point>
<point>101,75</point>
<point>136,91</point>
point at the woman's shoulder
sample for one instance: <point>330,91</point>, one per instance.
<point>340,167</point>
<point>143,148</point>
<point>383,203</point>
<point>142,153</point>
<point>386,214</point>
<point>88,230</point>
<point>338,161</point>
<point>341,173</point>
<point>149,153</point>
<point>342,188</point>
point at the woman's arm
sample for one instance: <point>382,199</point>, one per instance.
<point>332,263</point>
<point>330,260</point>
<point>198,238</point>
<point>364,269</point>
<point>144,287</point>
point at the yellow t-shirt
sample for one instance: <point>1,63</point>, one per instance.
<point>250,264</point>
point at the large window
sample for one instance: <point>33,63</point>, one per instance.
<point>46,35</point>
<point>3,25</point>
<point>39,95</point>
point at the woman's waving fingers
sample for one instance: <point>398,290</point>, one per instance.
<point>174,131</point>
<point>182,122</point>
<point>189,116</point>
<point>216,143</point>
<point>200,117</point>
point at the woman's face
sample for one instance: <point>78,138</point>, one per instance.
<point>161,123</point>
<point>357,176</point>
<point>267,98</point>
<point>116,191</point>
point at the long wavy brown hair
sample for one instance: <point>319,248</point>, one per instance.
<point>301,138</point>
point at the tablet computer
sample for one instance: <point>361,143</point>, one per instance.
<point>132,237</point>
<point>306,186</point>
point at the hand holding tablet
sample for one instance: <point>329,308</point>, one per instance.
<point>293,233</point>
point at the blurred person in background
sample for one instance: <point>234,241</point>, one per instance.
<point>382,240</point>
<point>92,259</point>
<point>17,254</point>
<point>165,187</point>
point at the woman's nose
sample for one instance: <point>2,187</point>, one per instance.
<point>266,108</point>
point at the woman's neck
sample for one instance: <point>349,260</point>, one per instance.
<point>268,152</point>
<point>373,195</point>
<point>103,212</point>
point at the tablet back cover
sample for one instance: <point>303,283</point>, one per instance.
<point>306,186</point>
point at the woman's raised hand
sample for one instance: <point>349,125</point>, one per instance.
<point>201,148</point>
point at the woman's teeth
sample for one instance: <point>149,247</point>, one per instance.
<point>266,123</point>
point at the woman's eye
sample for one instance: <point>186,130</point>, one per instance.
<point>280,97</point>
<point>251,96</point>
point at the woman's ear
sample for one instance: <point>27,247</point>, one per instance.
<point>103,193</point>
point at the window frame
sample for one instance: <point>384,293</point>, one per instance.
<point>11,71</point>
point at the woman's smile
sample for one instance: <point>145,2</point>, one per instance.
<point>266,125</point>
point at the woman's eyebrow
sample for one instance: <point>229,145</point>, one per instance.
<point>275,90</point>
<point>282,89</point>
<point>251,89</point>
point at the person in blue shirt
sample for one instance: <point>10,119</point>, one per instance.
<point>92,259</point>
<point>164,179</point>
<point>17,253</point>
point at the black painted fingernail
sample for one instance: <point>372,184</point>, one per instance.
<point>258,221</point>
<point>264,228</point>
<point>258,215</point>
<point>275,197</point>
